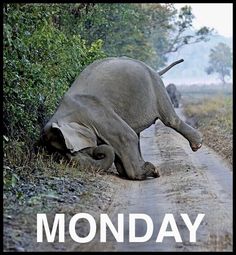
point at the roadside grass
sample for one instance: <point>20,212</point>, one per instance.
<point>213,116</point>
<point>20,159</point>
<point>25,169</point>
<point>39,182</point>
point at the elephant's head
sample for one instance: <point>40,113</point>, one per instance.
<point>78,143</point>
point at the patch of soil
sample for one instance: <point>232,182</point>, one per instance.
<point>88,192</point>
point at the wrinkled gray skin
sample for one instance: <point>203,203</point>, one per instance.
<point>110,103</point>
<point>174,94</point>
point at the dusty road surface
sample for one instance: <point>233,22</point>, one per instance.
<point>190,182</point>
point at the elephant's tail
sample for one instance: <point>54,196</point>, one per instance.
<point>169,67</point>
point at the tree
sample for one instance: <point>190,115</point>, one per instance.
<point>220,61</point>
<point>182,33</point>
<point>122,27</point>
<point>142,31</point>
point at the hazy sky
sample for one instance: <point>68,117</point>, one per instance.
<point>218,16</point>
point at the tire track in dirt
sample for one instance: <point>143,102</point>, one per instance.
<point>190,182</point>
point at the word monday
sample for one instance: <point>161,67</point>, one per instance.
<point>168,222</point>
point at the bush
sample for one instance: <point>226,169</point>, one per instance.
<point>40,62</point>
<point>214,119</point>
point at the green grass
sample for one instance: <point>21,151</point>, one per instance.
<point>21,163</point>
<point>216,110</point>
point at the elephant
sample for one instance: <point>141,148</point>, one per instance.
<point>174,94</point>
<point>100,117</point>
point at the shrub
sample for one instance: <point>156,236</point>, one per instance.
<point>40,62</point>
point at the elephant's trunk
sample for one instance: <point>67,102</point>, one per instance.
<point>104,156</point>
<point>100,157</point>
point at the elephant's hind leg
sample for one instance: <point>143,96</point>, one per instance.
<point>169,117</point>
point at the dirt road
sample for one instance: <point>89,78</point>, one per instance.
<point>190,182</point>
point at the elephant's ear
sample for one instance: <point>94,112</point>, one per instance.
<point>76,136</point>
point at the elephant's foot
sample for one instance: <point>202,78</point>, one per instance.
<point>195,147</point>
<point>150,170</point>
<point>147,170</point>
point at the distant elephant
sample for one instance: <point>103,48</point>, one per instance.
<point>174,94</point>
<point>100,117</point>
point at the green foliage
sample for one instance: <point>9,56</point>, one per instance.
<point>40,63</point>
<point>213,117</point>
<point>142,31</point>
<point>121,27</point>
<point>220,61</point>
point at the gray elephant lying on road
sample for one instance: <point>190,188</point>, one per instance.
<point>174,94</point>
<point>100,117</point>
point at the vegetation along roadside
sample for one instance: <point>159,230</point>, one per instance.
<point>213,117</point>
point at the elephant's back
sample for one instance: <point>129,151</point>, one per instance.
<point>112,74</point>
<point>118,75</point>
<point>122,82</point>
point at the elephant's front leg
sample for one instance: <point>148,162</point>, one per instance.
<point>129,162</point>
<point>117,133</point>
<point>118,163</point>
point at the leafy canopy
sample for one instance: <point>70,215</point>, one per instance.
<point>220,61</point>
